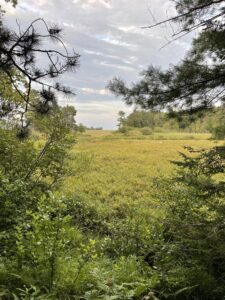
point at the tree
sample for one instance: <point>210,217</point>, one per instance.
<point>198,82</point>
<point>121,119</point>
<point>192,230</point>
<point>81,128</point>
<point>19,57</point>
<point>69,113</point>
<point>30,170</point>
<point>219,132</point>
<point>140,119</point>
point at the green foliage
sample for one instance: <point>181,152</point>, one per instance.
<point>108,239</point>
<point>161,122</point>
<point>219,132</point>
<point>44,240</point>
<point>121,119</point>
<point>192,257</point>
<point>124,129</point>
<point>121,282</point>
<point>81,128</point>
<point>140,119</point>
<point>146,131</point>
<point>30,169</point>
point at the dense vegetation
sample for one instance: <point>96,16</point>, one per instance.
<point>104,215</point>
<point>209,121</point>
<point>101,223</point>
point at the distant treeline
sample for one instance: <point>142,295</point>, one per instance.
<point>82,128</point>
<point>160,121</point>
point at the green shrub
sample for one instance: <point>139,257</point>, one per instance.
<point>190,247</point>
<point>219,132</point>
<point>124,129</point>
<point>146,131</point>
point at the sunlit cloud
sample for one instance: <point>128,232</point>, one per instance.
<point>95,91</point>
<point>86,4</point>
<point>126,68</point>
<point>111,40</point>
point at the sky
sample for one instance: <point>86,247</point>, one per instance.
<point>109,36</point>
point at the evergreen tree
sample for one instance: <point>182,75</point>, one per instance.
<point>198,82</point>
<point>20,51</point>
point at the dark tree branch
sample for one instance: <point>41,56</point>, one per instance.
<point>18,51</point>
<point>180,16</point>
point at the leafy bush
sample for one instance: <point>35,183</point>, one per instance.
<point>146,131</point>
<point>124,129</point>
<point>219,132</point>
<point>192,259</point>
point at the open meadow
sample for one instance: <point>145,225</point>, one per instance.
<point>116,171</point>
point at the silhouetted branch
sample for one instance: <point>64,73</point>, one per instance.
<point>21,51</point>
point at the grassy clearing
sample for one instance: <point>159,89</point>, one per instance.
<point>119,169</point>
<point>137,135</point>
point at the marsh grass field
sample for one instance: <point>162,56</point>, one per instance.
<point>115,171</point>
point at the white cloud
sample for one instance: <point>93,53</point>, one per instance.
<point>111,40</point>
<point>95,91</point>
<point>87,4</point>
<point>106,3</point>
<point>128,28</point>
<point>97,53</point>
<point>103,63</point>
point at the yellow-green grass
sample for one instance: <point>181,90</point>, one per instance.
<point>118,173</point>
<point>136,134</point>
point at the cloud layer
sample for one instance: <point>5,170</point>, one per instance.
<point>109,36</point>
